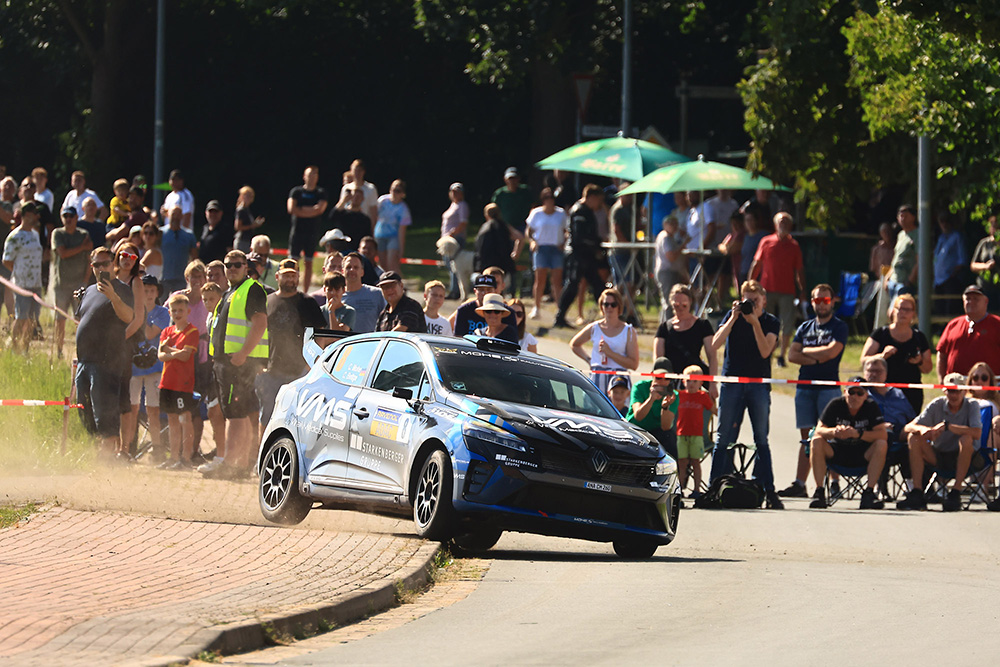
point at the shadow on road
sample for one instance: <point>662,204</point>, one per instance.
<point>586,557</point>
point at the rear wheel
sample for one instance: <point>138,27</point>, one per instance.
<point>280,500</point>
<point>635,548</point>
<point>433,512</point>
<point>481,539</point>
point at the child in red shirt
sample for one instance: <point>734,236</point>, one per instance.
<point>178,344</point>
<point>691,406</point>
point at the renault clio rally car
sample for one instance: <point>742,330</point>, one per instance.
<point>470,435</point>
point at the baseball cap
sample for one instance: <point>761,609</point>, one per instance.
<point>69,210</point>
<point>618,381</point>
<point>954,378</point>
<point>974,289</point>
<point>29,207</point>
<point>255,257</point>
<point>484,280</point>
<point>213,205</point>
<point>136,229</point>
<point>177,173</point>
<point>288,265</point>
<point>663,365</point>
<point>390,277</point>
<point>149,279</point>
<point>512,172</point>
<point>457,187</point>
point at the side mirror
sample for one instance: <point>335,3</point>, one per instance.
<point>403,393</point>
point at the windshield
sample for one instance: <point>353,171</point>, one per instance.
<point>518,379</point>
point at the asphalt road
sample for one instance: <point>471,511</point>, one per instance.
<point>792,587</point>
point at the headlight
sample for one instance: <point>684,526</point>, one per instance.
<point>492,435</point>
<point>667,466</point>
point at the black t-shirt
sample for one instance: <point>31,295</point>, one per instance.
<point>584,241</point>
<point>836,413</point>
<point>97,231</point>
<point>354,224</point>
<point>304,198</point>
<point>899,369</point>
<point>215,242</point>
<point>467,320</point>
<point>742,356</point>
<point>100,336</point>
<point>407,312</point>
<point>287,318</point>
<point>683,348</point>
<point>493,246</point>
<point>256,303</point>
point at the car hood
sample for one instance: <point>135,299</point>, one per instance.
<point>566,430</point>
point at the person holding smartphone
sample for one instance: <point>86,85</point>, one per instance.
<point>653,406</point>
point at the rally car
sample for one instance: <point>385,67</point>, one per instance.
<point>472,437</point>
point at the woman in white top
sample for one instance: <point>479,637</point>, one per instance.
<point>615,344</point>
<point>152,257</point>
<point>546,229</point>
<point>528,341</point>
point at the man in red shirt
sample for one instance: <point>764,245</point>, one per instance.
<point>782,274</point>
<point>970,338</point>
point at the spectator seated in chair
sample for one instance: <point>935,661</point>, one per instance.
<point>851,432</point>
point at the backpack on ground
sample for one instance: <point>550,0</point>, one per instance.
<point>732,492</point>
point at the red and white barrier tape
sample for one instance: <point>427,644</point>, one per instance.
<point>733,379</point>
<point>24,292</point>
<point>9,402</point>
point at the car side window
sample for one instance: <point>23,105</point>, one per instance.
<point>354,363</point>
<point>400,366</point>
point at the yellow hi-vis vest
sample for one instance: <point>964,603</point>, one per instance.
<point>237,325</point>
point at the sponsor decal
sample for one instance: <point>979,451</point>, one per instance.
<point>573,426</point>
<point>458,386</point>
<point>515,462</point>
<point>391,425</point>
<point>313,412</point>
<point>597,486</point>
<point>373,450</point>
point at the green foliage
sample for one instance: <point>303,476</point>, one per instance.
<point>11,516</point>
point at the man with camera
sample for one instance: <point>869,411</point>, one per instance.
<point>104,312</point>
<point>750,335</point>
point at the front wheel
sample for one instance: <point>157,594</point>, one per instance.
<point>433,512</point>
<point>481,539</point>
<point>635,548</point>
<point>280,500</point>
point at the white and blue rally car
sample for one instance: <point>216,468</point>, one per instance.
<point>470,435</point>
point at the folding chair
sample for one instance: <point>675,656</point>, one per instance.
<point>896,471</point>
<point>851,308</point>
<point>852,482</point>
<point>982,468</point>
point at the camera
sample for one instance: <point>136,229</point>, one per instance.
<point>145,358</point>
<point>746,306</point>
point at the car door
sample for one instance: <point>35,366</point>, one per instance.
<point>383,426</point>
<point>322,409</point>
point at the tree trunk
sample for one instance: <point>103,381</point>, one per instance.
<point>553,114</point>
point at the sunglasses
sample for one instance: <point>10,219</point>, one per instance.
<point>822,299</point>
<point>609,304</point>
<point>234,265</point>
<point>128,255</point>
<point>106,262</point>
<point>857,391</point>
<point>519,313</point>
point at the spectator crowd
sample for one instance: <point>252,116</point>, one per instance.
<point>210,326</point>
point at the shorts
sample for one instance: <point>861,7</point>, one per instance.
<point>235,387</point>
<point>783,305</point>
<point>175,402</point>
<point>25,307</point>
<point>97,389</point>
<point>302,240</point>
<point>809,404</point>
<point>547,257</point>
<point>151,383</point>
<point>690,446</point>
<point>64,301</point>
<point>386,243</point>
<point>849,453</point>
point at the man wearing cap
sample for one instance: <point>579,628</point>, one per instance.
<point>71,248</point>
<point>515,202</point>
<point>465,320</point>
<point>306,204</point>
<point>949,425</point>
<point>78,192</point>
<point>181,197</point>
<point>239,346</point>
<point>401,313</point>
<point>455,223</point>
<point>178,246</point>
<point>366,300</point>
<point>653,406</point>
<point>969,338</point>
<point>351,219</point>
<point>22,256</point>
<point>216,238</point>
<point>289,312</point>
<point>851,432</point>
<point>618,393</point>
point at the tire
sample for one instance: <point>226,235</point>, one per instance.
<point>636,548</point>
<point>433,512</point>
<point>482,539</point>
<point>278,491</point>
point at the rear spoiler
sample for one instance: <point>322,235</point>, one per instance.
<point>311,347</point>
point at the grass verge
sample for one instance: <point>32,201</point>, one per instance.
<point>12,515</point>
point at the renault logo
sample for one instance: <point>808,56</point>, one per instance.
<point>599,461</point>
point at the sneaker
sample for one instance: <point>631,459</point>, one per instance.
<point>210,466</point>
<point>560,324</point>
<point>695,495</point>
<point>834,488</point>
<point>993,505</point>
<point>179,466</point>
<point>533,314</point>
<point>953,503</point>
<point>937,496</point>
<point>165,465</point>
<point>869,501</point>
<point>819,500</point>
<point>221,471</point>
<point>794,490</point>
<point>914,501</point>
<point>773,502</point>
<point>781,362</point>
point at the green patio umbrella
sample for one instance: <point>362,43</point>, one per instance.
<point>619,157</point>
<point>700,175</point>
